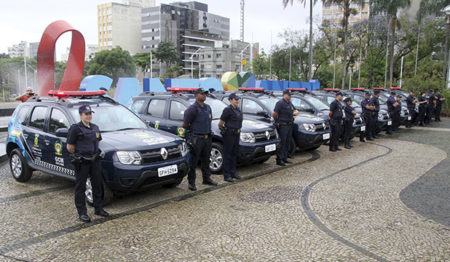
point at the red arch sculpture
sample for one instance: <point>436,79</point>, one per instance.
<point>46,59</point>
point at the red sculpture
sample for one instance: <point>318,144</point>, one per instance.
<point>46,59</point>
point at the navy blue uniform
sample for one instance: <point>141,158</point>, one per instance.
<point>86,139</point>
<point>422,110</point>
<point>335,124</point>
<point>437,112</point>
<point>348,123</point>
<point>198,118</point>
<point>411,109</point>
<point>367,115</point>
<point>233,123</point>
<point>375,102</point>
<point>430,108</point>
<point>392,114</point>
<point>285,120</point>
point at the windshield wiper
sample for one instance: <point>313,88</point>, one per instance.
<point>127,128</point>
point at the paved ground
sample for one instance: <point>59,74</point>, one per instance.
<point>381,201</point>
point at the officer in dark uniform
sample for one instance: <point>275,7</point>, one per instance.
<point>348,122</point>
<point>283,114</point>
<point>392,104</point>
<point>423,104</point>
<point>376,104</point>
<point>439,100</point>
<point>82,143</point>
<point>431,106</point>
<point>197,120</point>
<point>336,115</point>
<point>367,109</point>
<point>397,112</point>
<point>230,127</point>
<point>411,105</point>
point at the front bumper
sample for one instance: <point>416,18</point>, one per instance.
<point>255,152</point>
<point>130,178</point>
<point>306,140</point>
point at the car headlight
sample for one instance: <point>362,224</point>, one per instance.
<point>129,157</point>
<point>183,148</point>
<point>309,127</point>
<point>248,137</point>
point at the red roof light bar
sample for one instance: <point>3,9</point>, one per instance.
<point>358,89</point>
<point>332,89</point>
<point>256,89</point>
<point>297,89</point>
<point>396,88</point>
<point>377,88</point>
<point>75,93</point>
<point>182,89</point>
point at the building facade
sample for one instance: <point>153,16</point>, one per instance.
<point>225,56</point>
<point>20,49</point>
<point>189,26</point>
<point>119,24</point>
<point>334,13</point>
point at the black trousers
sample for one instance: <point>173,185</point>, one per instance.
<point>368,121</point>
<point>336,130</point>
<point>437,113</point>
<point>373,124</point>
<point>429,113</point>
<point>92,170</point>
<point>285,132</point>
<point>201,151</point>
<point>348,126</point>
<point>421,117</point>
<point>413,115</point>
<point>230,153</point>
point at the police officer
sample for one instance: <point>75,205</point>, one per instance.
<point>423,104</point>
<point>411,105</point>
<point>439,100</point>
<point>197,120</point>
<point>367,109</point>
<point>348,122</point>
<point>230,127</point>
<point>376,104</point>
<point>431,106</point>
<point>283,114</point>
<point>336,122</point>
<point>392,104</point>
<point>82,143</point>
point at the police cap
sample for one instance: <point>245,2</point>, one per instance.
<point>85,109</point>
<point>200,91</point>
<point>348,99</point>
<point>392,93</point>
<point>233,96</point>
<point>376,92</point>
<point>339,94</point>
<point>287,92</point>
<point>367,93</point>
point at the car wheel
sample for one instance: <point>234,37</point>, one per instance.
<point>216,159</point>
<point>107,194</point>
<point>174,184</point>
<point>19,167</point>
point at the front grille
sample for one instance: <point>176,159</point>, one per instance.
<point>320,127</point>
<point>154,155</point>
<point>357,121</point>
<point>261,136</point>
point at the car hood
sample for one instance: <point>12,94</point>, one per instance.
<point>255,126</point>
<point>307,118</point>
<point>138,139</point>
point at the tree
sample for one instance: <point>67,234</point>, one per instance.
<point>167,53</point>
<point>261,65</point>
<point>113,63</point>
<point>142,60</point>
<point>311,4</point>
<point>173,71</point>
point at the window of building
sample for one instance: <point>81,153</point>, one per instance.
<point>58,120</point>
<point>218,55</point>
<point>218,66</point>
<point>38,117</point>
<point>209,56</point>
<point>156,108</point>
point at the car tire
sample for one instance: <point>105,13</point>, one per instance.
<point>216,159</point>
<point>19,166</point>
<point>107,195</point>
<point>174,184</point>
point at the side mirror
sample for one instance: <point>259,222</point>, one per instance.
<point>263,114</point>
<point>62,132</point>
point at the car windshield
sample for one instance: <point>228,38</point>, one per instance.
<point>216,105</point>
<point>383,99</point>
<point>112,118</point>
<point>357,101</point>
<point>269,102</point>
<point>319,105</point>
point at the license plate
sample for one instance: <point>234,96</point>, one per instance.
<point>270,148</point>
<point>363,128</point>
<point>389,123</point>
<point>167,170</point>
<point>326,136</point>
<point>409,118</point>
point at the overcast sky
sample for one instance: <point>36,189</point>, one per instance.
<point>27,19</point>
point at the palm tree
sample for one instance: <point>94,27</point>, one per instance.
<point>347,11</point>
<point>311,4</point>
<point>391,8</point>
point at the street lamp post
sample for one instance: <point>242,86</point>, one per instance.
<point>25,70</point>
<point>446,10</point>
<point>242,56</point>
<point>151,64</point>
<point>192,62</point>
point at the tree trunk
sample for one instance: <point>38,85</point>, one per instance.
<point>417,50</point>
<point>391,49</point>
<point>345,26</point>
<point>447,29</point>
<point>310,38</point>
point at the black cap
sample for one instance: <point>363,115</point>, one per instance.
<point>431,90</point>
<point>392,93</point>
<point>339,94</point>
<point>399,96</point>
<point>233,96</point>
<point>412,91</point>
<point>200,91</point>
<point>85,109</point>
<point>287,92</point>
<point>347,99</point>
<point>367,93</point>
<point>376,92</point>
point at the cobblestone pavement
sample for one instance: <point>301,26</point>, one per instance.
<point>371,203</point>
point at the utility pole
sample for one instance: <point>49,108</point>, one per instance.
<point>242,19</point>
<point>25,70</point>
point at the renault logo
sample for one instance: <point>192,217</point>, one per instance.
<point>164,153</point>
<point>268,135</point>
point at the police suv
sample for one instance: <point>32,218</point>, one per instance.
<point>165,111</point>
<point>133,156</point>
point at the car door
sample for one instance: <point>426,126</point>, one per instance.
<point>35,136</point>
<point>59,155</point>
<point>155,114</point>
<point>175,119</point>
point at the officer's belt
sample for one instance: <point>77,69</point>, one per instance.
<point>286,123</point>
<point>201,136</point>
<point>85,158</point>
<point>234,130</point>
